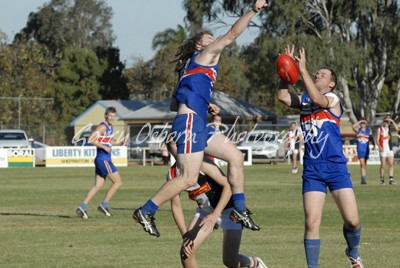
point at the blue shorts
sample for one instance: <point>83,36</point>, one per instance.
<point>363,154</point>
<point>104,167</point>
<point>191,133</point>
<point>335,176</point>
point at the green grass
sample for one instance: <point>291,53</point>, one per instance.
<point>39,228</point>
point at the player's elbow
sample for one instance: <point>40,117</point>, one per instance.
<point>282,97</point>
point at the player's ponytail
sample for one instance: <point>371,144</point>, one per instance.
<point>186,50</point>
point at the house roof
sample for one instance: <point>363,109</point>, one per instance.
<point>123,107</point>
<point>229,106</point>
<point>142,110</point>
<point>158,110</point>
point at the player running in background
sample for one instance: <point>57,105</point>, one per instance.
<point>102,138</point>
<point>197,66</point>
<point>364,137</point>
<point>384,139</point>
<point>213,196</point>
<point>293,140</point>
<point>324,164</point>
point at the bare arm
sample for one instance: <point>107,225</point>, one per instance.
<point>378,136</point>
<point>211,170</point>
<point>394,124</point>
<point>287,98</point>
<point>355,125</point>
<point>211,53</point>
<point>177,213</point>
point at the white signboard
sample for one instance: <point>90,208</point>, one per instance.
<point>350,151</point>
<point>82,156</point>
<point>3,158</point>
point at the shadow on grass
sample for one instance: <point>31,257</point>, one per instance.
<point>35,215</point>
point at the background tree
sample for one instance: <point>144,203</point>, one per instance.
<point>76,84</point>
<point>81,26</point>
<point>74,24</point>
<point>25,71</point>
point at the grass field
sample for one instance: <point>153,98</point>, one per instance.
<point>39,228</point>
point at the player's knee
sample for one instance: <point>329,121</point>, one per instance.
<point>98,188</point>
<point>312,225</point>
<point>352,224</point>
<point>236,159</point>
<point>190,180</point>
<point>118,184</point>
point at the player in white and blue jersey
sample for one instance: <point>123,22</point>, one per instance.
<point>103,138</point>
<point>197,66</point>
<point>324,161</point>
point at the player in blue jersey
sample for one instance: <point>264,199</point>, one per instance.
<point>197,66</point>
<point>364,137</point>
<point>102,138</point>
<point>324,164</point>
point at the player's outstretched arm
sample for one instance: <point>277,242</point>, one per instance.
<point>288,98</point>
<point>213,50</point>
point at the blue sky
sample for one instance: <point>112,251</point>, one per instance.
<point>135,22</point>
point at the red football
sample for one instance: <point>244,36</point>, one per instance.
<point>287,68</point>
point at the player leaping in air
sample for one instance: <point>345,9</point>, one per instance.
<point>197,66</point>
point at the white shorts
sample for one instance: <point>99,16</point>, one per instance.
<point>386,153</point>
<point>293,151</point>
<point>223,221</point>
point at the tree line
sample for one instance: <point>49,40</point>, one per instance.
<point>66,52</point>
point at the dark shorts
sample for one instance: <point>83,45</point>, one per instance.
<point>317,177</point>
<point>104,167</point>
<point>191,133</point>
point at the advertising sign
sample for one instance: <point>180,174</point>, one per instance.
<point>3,158</point>
<point>17,158</point>
<point>82,156</point>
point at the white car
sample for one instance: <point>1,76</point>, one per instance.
<point>264,144</point>
<point>14,138</point>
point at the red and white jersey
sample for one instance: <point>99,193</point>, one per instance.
<point>384,138</point>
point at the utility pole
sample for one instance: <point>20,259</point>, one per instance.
<point>19,98</point>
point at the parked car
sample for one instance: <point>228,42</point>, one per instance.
<point>150,139</point>
<point>264,144</point>
<point>14,138</point>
